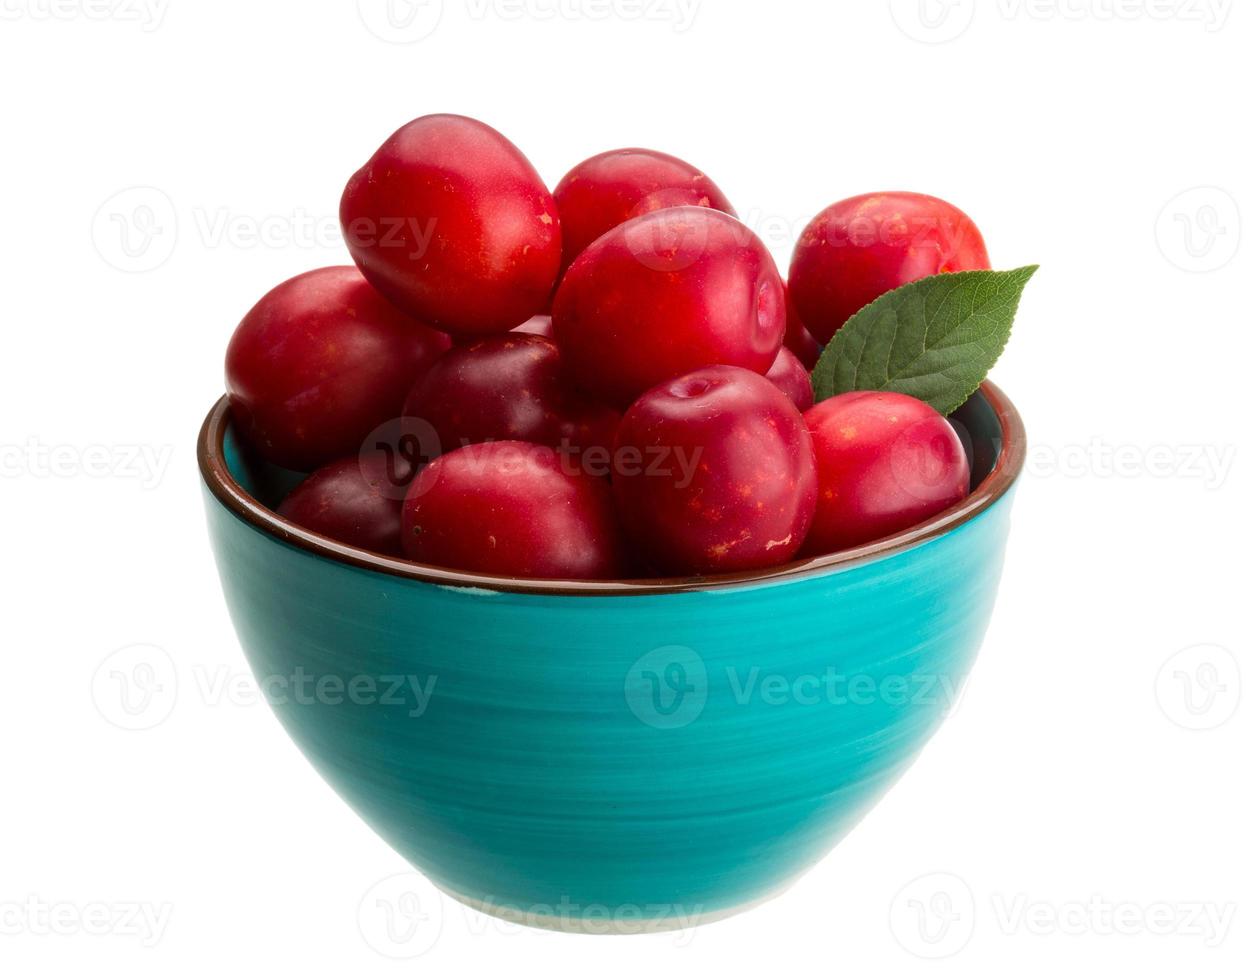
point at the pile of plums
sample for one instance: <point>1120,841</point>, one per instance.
<point>609,380</point>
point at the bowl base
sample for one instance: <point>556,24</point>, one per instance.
<point>603,923</point>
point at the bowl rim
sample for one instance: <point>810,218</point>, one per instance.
<point>211,458</point>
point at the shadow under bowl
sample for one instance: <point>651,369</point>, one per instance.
<point>600,756</point>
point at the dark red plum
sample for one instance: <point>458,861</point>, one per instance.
<point>355,500</point>
<point>512,508</point>
<point>798,339</point>
<point>789,375</point>
<point>451,222</point>
<point>509,387</point>
<point>858,249</point>
<point>605,190</point>
<point>318,363</point>
<point>665,294</point>
<point>714,472</point>
<point>886,462</point>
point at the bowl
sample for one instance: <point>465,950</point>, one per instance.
<point>600,756</point>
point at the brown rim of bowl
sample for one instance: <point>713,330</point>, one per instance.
<point>226,489</point>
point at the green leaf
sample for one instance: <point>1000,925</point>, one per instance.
<point>935,339</point>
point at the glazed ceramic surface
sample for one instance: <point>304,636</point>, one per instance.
<point>664,751</point>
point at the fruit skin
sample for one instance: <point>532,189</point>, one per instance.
<point>664,294</point>
<point>451,222</point>
<point>355,500</point>
<point>512,508</point>
<point>320,361</point>
<point>612,187</point>
<point>886,462</point>
<point>797,338</point>
<point>788,374</point>
<point>858,249</point>
<point>714,472</point>
<point>507,387</point>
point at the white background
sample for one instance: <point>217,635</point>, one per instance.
<point>1075,778</point>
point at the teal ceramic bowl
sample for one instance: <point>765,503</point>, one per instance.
<point>594,756</point>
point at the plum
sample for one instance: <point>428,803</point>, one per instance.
<point>605,190</point>
<point>319,362</point>
<point>664,294</point>
<point>886,461</point>
<point>714,472</point>
<point>512,508</point>
<point>451,222</point>
<point>858,249</point>
<point>797,338</point>
<point>355,500</point>
<point>789,375</point>
<point>509,387</point>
